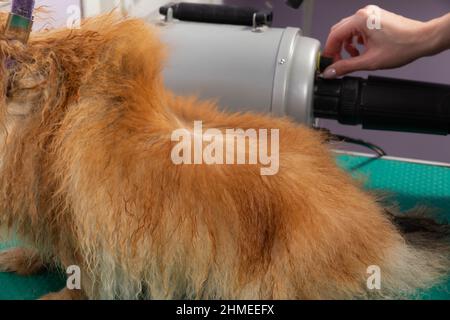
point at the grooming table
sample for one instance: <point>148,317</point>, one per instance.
<point>409,183</point>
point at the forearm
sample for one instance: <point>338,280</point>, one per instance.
<point>439,31</point>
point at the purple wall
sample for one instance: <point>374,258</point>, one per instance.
<point>433,69</point>
<point>57,13</point>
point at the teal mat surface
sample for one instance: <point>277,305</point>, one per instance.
<point>408,185</point>
<point>14,287</point>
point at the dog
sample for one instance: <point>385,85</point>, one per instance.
<point>87,179</point>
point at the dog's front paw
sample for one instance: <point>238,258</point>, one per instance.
<point>24,262</point>
<point>65,294</point>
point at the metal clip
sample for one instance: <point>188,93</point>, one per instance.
<point>18,28</point>
<point>169,16</point>
<point>259,27</point>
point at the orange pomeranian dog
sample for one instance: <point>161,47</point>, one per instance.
<point>87,179</point>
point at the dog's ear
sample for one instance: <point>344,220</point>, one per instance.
<point>3,20</point>
<point>3,43</point>
<point>21,82</point>
<point>25,85</point>
<point>4,84</point>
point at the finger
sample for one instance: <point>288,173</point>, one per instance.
<point>345,66</point>
<point>337,38</point>
<point>351,48</point>
<point>337,25</point>
<point>361,40</point>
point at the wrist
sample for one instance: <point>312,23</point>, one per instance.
<point>438,31</point>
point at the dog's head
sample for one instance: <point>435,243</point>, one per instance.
<point>57,68</point>
<point>28,73</point>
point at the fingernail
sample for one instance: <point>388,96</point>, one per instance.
<point>329,73</point>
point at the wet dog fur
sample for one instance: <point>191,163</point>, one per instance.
<point>86,179</point>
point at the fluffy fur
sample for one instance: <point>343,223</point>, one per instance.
<point>86,179</point>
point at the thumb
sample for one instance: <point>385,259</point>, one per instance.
<point>344,66</point>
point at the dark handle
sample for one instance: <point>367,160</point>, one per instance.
<point>294,3</point>
<point>220,14</point>
<point>385,104</point>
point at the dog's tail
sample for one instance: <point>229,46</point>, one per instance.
<point>423,260</point>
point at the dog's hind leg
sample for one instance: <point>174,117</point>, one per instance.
<point>22,261</point>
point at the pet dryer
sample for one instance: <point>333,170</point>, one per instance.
<point>233,55</point>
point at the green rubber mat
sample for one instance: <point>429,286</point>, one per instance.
<point>408,185</point>
<point>14,287</point>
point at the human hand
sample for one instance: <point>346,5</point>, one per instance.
<point>394,42</point>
